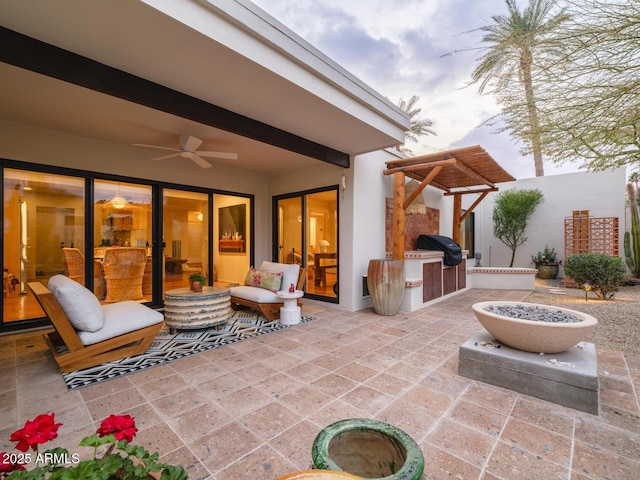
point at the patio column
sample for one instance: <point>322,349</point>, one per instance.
<point>398,217</point>
<point>457,213</point>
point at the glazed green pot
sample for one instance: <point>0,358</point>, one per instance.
<point>547,271</point>
<point>368,448</point>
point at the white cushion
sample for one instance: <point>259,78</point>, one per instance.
<point>255,294</point>
<point>79,304</point>
<point>121,318</point>
<point>290,272</point>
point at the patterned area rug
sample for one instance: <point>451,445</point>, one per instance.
<point>172,346</point>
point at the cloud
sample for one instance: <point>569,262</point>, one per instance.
<point>399,48</point>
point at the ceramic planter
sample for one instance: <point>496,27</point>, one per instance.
<point>368,448</point>
<point>385,280</point>
<point>547,270</point>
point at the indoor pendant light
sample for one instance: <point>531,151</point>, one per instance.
<point>118,201</point>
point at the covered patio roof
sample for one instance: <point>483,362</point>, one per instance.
<point>460,171</point>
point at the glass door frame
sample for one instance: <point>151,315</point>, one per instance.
<point>157,187</point>
<point>276,241</point>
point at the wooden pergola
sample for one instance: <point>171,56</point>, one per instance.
<point>463,171</point>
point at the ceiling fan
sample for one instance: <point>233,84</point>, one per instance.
<point>189,149</point>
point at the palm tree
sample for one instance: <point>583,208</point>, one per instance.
<point>419,127</point>
<point>511,43</point>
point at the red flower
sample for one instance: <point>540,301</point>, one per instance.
<point>7,466</point>
<point>37,431</point>
<point>122,427</point>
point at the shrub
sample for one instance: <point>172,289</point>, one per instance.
<point>511,213</point>
<point>603,272</point>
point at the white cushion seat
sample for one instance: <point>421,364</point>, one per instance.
<point>121,318</point>
<point>254,294</point>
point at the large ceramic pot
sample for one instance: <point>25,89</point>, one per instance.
<point>547,270</point>
<point>368,448</point>
<point>385,280</point>
<point>531,335</point>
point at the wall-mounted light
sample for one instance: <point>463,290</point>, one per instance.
<point>118,201</point>
<point>200,216</point>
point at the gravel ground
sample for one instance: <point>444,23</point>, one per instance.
<point>618,318</point>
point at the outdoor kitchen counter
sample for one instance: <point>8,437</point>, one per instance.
<point>427,279</point>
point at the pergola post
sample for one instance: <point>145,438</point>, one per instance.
<point>457,213</point>
<point>398,217</point>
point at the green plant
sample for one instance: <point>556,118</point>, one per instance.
<point>603,273</point>
<point>546,257</point>
<point>121,460</point>
<point>198,277</point>
<point>511,214</point>
<point>632,239</point>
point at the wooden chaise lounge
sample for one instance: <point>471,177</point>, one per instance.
<point>89,334</point>
<point>265,301</point>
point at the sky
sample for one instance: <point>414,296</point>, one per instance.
<point>399,47</point>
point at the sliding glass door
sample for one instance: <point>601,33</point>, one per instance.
<point>43,225</point>
<point>306,232</point>
<point>81,226</point>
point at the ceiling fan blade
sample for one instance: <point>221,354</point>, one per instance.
<point>229,156</point>
<point>200,161</point>
<point>167,156</point>
<point>189,143</point>
<point>156,146</point>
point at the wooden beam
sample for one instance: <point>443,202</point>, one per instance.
<point>420,166</point>
<point>464,192</point>
<point>398,217</point>
<point>457,211</point>
<point>422,186</point>
<point>473,174</point>
<point>475,204</point>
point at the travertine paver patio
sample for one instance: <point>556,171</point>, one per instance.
<point>251,410</point>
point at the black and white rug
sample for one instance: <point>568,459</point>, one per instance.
<point>172,346</point>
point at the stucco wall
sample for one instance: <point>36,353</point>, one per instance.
<point>602,194</point>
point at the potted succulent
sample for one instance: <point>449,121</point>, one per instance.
<point>118,460</point>
<point>197,280</point>
<point>547,263</point>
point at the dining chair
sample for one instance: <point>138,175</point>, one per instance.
<point>124,272</point>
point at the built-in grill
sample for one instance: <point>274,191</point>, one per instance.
<point>452,251</point>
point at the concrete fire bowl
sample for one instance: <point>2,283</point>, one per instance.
<point>533,335</point>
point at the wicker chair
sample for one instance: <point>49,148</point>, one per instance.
<point>75,266</point>
<point>124,271</point>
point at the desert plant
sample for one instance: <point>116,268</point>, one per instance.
<point>511,214</point>
<point>603,273</point>
<point>546,257</point>
<point>632,239</point>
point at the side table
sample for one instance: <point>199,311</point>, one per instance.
<point>290,313</point>
<point>185,309</point>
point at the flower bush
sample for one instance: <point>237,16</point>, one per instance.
<point>546,257</point>
<point>121,460</point>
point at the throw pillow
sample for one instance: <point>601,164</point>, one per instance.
<point>79,304</point>
<point>266,280</point>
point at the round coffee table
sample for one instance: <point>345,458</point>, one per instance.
<point>185,309</point>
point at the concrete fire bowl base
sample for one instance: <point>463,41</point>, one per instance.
<point>535,336</point>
